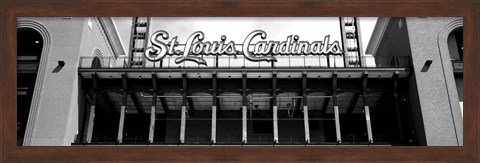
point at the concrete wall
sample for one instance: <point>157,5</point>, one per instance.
<point>433,95</point>
<point>436,87</point>
<point>54,120</point>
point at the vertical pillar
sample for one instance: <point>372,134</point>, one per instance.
<point>305,108</point>
<point>120,125</point>
<point>214,124</point>
<point>184,108</point>
<point>275,125</point>
<point>244,124</point>
<point>91,118</point>
<point>153,109</point>
<point>122,110</point>
<point>214,109</point>
<point>397,105</point>
<point>182,124</point>
<point>335,108</point>
<point>366,107</point>
<point>152,124</point>
<point>244,107</point>
<point>337,124</point>
<point>305,122</point>
<point>275,109</point>
<point>369,125</point>
<point>344,40</point>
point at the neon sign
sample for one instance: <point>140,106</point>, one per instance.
<point>263,50</point>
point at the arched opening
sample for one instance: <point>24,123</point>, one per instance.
<point>96,63</point>
<point>455,44</point>
<point>455,47</point>
<point>29,49</point>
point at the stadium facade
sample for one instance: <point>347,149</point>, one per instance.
<point>78,83</point>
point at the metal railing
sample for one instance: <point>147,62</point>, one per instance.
<point>241,62</point>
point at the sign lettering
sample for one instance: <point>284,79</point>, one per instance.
<point>195,47</point>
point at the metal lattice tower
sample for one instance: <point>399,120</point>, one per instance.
<point>352,44</point>
<point>138,42</point>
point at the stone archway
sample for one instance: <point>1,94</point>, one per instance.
<point>42,31</point>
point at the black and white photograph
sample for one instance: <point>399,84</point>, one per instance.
<point>239,81</point>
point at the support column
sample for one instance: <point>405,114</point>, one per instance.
<point>366,107</point>
<point>337,124</point>
<point>335,108</point>
<point>397,105</point>
<point>214,124</point>
<point>244,124</point>
<point>305,121</point>
<point>275,109</point>
<point>152,125</point>
<point>122,110</point>
<point>214,109</point>
<point>120,125</point>
<point>184,108</point>
<point>153,109</point>
<point>275,125</point>
<point>369,125</point>
<point>244,108</point>
<point>305,108</point>
<point>91,118</point>
<point>182,124</point>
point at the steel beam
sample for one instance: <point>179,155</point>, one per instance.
<point>182,124</point>
<point>214,109</point>
<point>91,122</point>
<point>244,124</point>
<point>274,107</point>
<point>153,109</point>
<point>355,98</point>
<point>244,89</point>
<point>335,108</point>
<point>305,108</point>
<point>122,110</point>
<point>344,40</point>
<point>306,124</point>
<point>337,124</point>
<point>369,125</point>
<point>164,105</point>
<point>325,104</point>
<point>275,125</point>
<point>137,104</point>
<point>274,88</point>
<point>397,105</point>
<point>214,125</point>
<point>244,107</point>
<point>304,88</point>
<point>184,108</point>
<point>184,91</point>
<point>366,107</point>
<point>121,124</point>
<point>341,69</point>
<point>91,115</point>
